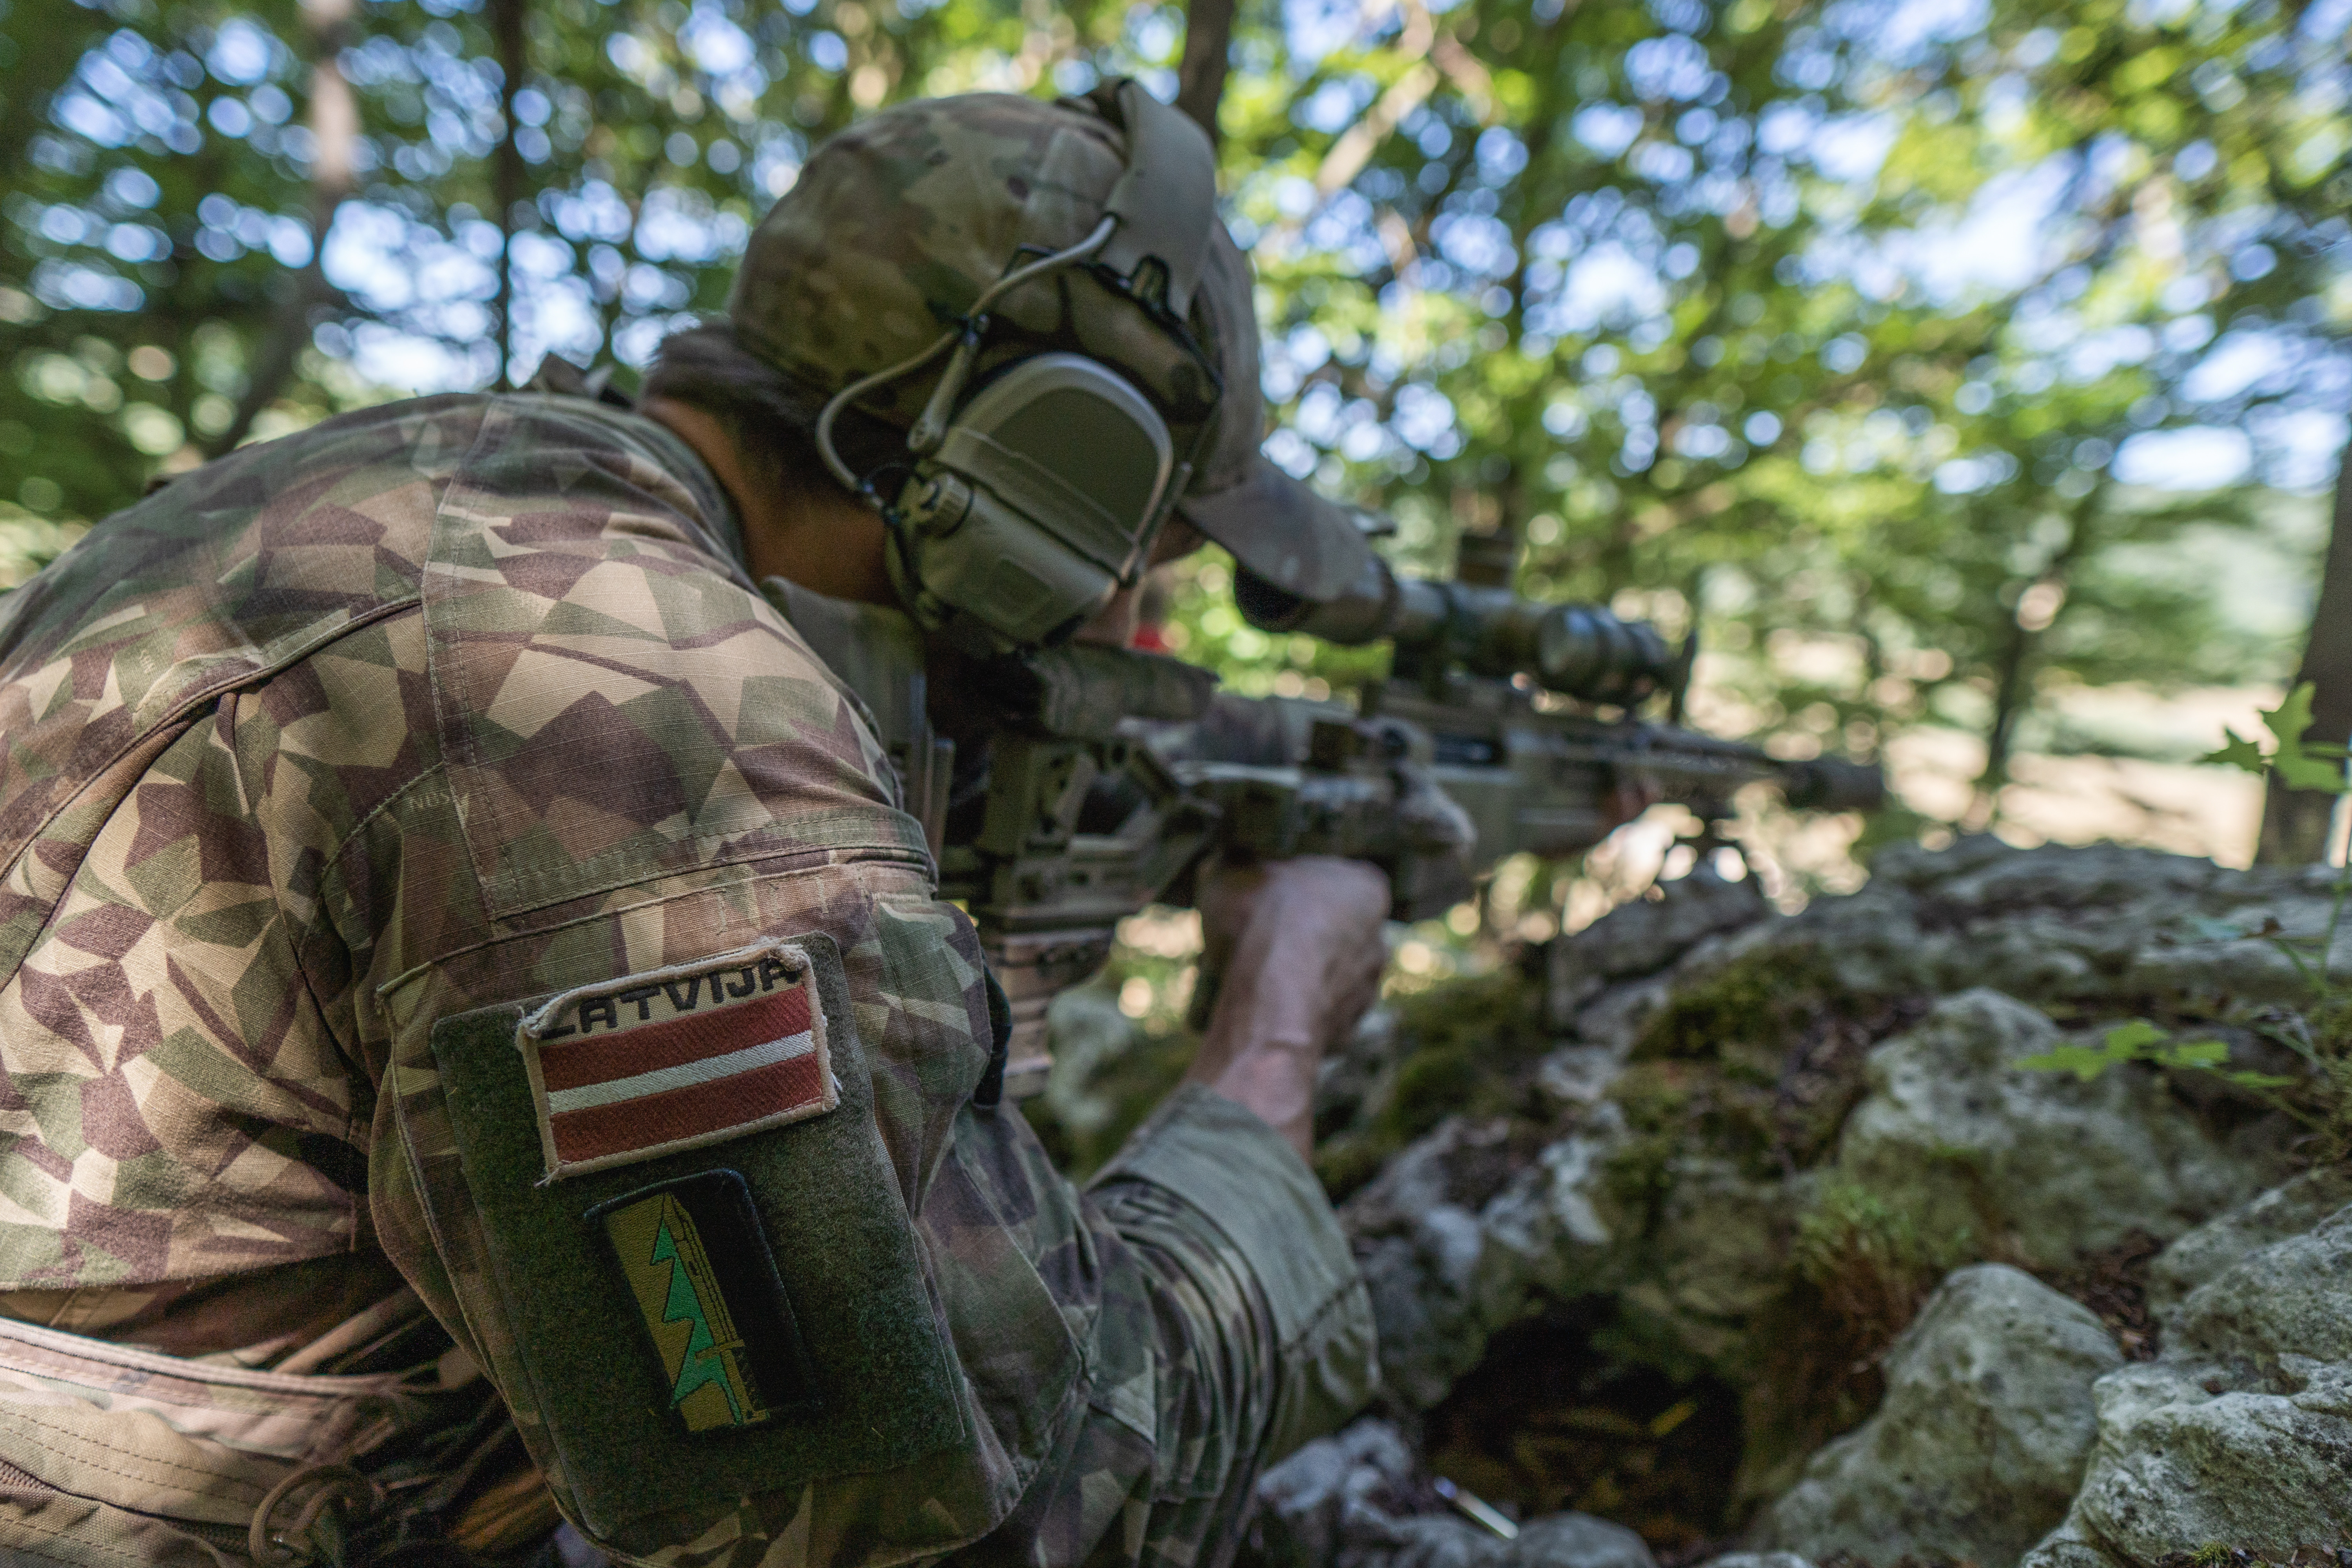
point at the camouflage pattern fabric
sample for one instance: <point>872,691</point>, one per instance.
<point>896,226</point>
<point>469,700</point>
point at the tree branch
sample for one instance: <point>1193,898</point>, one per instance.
<point>334,133</point>
<point>507,174</point>
<point>1201,78</point>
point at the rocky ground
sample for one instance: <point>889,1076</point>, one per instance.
<point>1710,1235</point>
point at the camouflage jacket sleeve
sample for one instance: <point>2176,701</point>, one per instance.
<point>454,703</point>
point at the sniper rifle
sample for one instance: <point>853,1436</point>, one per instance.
<point>1064,790</point>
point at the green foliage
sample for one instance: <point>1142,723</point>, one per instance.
<point>2298,764</point>
<point>2322,1035</point>
<point>1464,1047</point>
<point>2141,1041</point>
<point>1874,1262</point>
<point>1654,295</point>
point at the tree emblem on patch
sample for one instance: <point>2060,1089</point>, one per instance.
<point>704,1359</point>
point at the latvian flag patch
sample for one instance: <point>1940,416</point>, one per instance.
<point>694,1054</point>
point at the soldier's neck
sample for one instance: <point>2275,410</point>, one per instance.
<point>816,535</point>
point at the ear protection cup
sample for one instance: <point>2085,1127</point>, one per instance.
<point>1038,496</point>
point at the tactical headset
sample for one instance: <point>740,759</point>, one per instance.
<point>1030,501</point>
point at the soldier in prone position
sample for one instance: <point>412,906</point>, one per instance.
<point>480,1035</point>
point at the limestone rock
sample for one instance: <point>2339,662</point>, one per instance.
<point>2286,1210</point>
<point>1727,1125</point>
<point>1979,1444</point>
<point>2178,1465</point>
<point>1420,1242</point>
<point>2241,1432</point>
<point>1644,936</point>
<point>1575,1541</point>
<point>1954,1131</point>
<point>1308,1503</point>
<point>1349,1502</point>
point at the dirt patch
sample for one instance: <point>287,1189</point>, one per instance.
<point>1546,1423</point>
<point>2113,1283</point>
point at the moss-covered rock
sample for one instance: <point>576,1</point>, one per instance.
<point>1760,1153</point>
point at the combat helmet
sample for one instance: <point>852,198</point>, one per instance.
<point>976,237</point>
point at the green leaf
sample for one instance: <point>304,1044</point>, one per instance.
<point>2288,721</point>
<point>2126,1042</point>
<point>2297,768</point>
<point>2194,1054</point>
<point>2259,1080</point>
<point>2238,752</point>
<point>2084,1062</point>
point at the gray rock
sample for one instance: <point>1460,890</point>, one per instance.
<point>1345,1501</point>
<point>1443,1276</point>
<point>1979,1444</point>
<point>1646,935</point>
<point>1420,1541</point>
<point>1443,1541</point>
<point>1690,1242</point>
<point>2292,1297</point>
<point>1083,1029</point>
<point>1419,1247</point>
<point>2177,1466</point>
<point>2066,1547</point>
<point>1953,1132</point>
<point>1575,1541</point>
<point>2241,1432</point>
<point>2286,1210</point>
<point>1756,1560</point>
<point>1715,1256</point>
<point>1309,1503</point>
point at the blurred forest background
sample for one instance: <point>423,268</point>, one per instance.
<point>1974,372</point>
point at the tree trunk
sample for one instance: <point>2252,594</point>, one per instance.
<point>2014,685</point>
<point>2008,706</point>
<point>335,131</point>
<point>1201,78</point>
<point>507,171</point>
<point>2296,821</point>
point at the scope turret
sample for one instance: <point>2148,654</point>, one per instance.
<point>1578,650</point>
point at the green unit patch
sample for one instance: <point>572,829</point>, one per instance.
<point>698,1264</point>
<point>693,1333</point>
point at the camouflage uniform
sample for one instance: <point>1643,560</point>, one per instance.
<point>465,700</point>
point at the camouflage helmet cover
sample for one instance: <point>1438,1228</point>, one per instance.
<point>896,226</point>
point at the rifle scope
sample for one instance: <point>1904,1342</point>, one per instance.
<point>1577,650</point>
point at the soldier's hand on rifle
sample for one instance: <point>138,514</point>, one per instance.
<point>1296,951</point>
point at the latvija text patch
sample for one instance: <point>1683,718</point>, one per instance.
<point>678,1057</point>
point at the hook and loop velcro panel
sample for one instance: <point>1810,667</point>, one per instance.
<point>698,1316</point>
